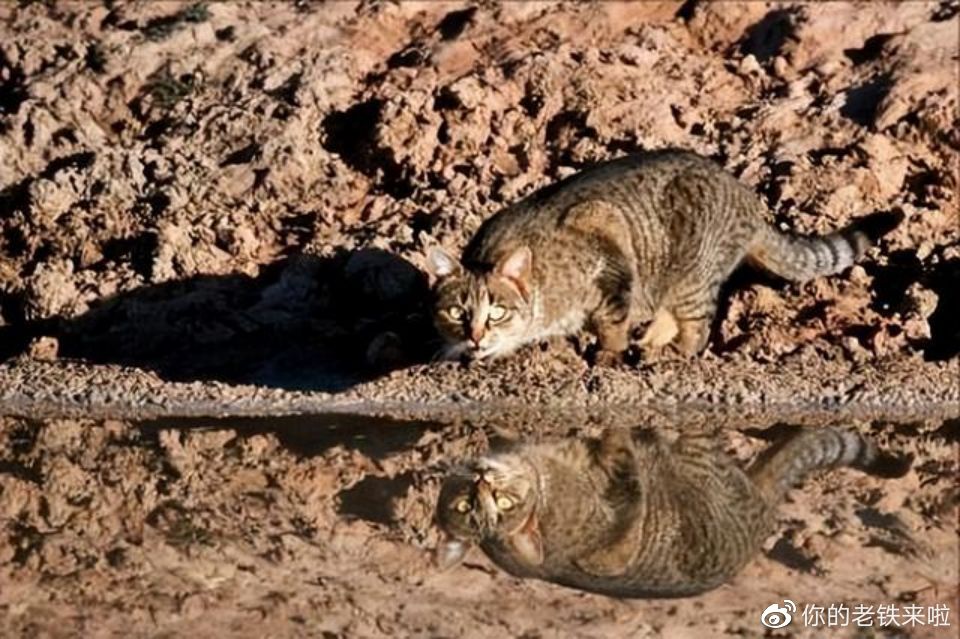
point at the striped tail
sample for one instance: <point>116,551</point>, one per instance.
<point>803,258</point>
<point>810,450</point>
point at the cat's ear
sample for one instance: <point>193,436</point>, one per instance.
<point>516,266</point>
<point>441,264</point>
<point>528,543</point>
<point>451,552</point>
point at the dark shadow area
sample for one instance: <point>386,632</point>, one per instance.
<point>887,531</point>
<point>742,278</point>
<point>412,55</point>
<point>818,156</point>
<point>766,38</point>
<point>892,280</point>
<point>946,10</point>
<point>377,438</point>
<point>944,341</point>
<point>780,433</point>
<point>903,269</point>
<point>309,435</point>
<point>785,552</point>
<point>302,323</point>
<point>15,197</point>
<point>687,10</point>
<point>950,430</point>
<point>13,91</point>
<point>23,472</point>
<point>871,50</point>
<point>455,23</point>
<point>352,134</point>
<point>372,498</point>
<point>862,101</point>
<point>873,518</point>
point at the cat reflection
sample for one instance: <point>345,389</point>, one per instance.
<point>631,514</point>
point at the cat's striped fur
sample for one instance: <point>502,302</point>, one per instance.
<point>634,516</point>
<point>648,237</point>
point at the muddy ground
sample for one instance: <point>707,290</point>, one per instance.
<point>323,526</point>
<point>222,208</point>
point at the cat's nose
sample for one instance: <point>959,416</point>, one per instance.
<point>476,335</point>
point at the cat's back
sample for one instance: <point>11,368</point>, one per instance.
<point>699,519</point>
<point>627,181</point>
<point>650,169</point>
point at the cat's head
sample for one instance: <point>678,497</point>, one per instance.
<point>490,499</point>
<point>484,314</point>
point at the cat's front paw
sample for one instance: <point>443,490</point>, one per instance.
<point>597,356</point>
<point>660,354</point>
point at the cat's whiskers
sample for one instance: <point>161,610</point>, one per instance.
<point>451,351</point>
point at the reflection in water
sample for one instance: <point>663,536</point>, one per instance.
<point>633,514</point>
<point>332,517</point>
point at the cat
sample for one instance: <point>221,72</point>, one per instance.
<point>631,515</point>
<point>645,238</point>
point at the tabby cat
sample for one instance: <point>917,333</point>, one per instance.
<point>645,238</point>
<point>632,515</point>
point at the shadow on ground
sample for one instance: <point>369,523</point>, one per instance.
<point>310,435</point>
<point>371,498</point>
<point>304,323</point>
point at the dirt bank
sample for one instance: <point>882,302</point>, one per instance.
<point>243,192</point>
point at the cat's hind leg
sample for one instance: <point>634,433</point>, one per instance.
<point>695,298</point>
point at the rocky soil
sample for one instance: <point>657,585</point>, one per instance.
<point>238,191</point>
<point>222,208</point>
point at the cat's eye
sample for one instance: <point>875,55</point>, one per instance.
<point>504,502</point>
<point>462,506</point>
<point>497,313</point>
<point>455,313</point>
